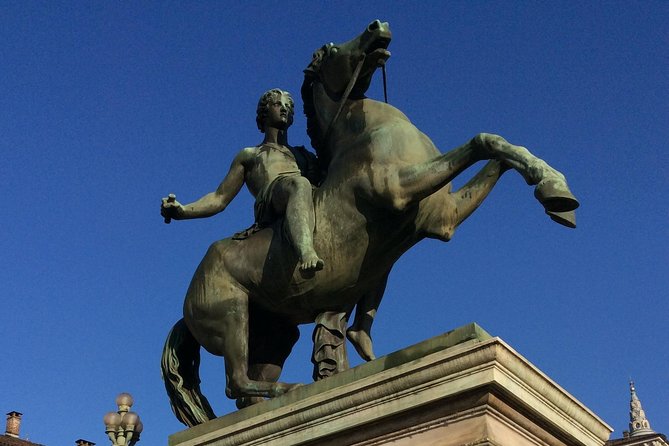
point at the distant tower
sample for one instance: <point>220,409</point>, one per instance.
<point>639,424</point>
<point>640,433</point>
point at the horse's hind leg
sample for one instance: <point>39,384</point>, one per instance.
<point>229,337</point>
<point>271,339</point>
<point>217,314</point>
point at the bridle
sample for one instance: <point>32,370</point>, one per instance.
<point>344,97</point>
<point>347,92</point>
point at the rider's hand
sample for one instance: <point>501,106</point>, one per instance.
<point>170,208</point>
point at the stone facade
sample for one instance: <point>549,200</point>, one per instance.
<point>646,440</point>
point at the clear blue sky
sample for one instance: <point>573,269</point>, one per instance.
<point>105,107</point>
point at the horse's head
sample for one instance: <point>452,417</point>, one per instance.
<point>333,68</point>
<point>334,65</point>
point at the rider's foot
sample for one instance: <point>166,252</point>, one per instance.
<point>362,343</point>
<point>311,262</point>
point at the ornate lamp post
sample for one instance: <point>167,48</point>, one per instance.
<point>123,427</point>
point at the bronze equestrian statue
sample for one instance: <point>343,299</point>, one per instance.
<point>387,187</point>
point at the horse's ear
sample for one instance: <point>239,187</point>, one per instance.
<point>316,60</point>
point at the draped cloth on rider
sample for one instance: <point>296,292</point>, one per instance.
<point>263,210</point>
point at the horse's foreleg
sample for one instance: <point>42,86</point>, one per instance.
<point>443,211</point>
<point>471,195</point>
<point>551,186</point>
<point>360,333</point>
<point>417,181</point>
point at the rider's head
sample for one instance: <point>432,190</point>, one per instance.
<point>266,100</point>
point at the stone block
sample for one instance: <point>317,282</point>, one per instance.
<point>463,388</point>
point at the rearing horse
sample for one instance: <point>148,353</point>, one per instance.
<point>387,187</point>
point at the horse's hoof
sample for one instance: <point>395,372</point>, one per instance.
<point>283,388</point>
<point>295,386</point>
<point>555,196</point>
<point>247,401</point>
<point>567,219</point>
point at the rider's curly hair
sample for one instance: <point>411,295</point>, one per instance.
<point>264,102</point>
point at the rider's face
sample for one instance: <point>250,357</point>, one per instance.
<point>279,112</point>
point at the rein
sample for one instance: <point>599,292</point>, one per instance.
<point>344,97</point>
<point>385,91</point>
<point>347,92</point>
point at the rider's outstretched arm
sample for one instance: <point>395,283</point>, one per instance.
<point>217,201</point>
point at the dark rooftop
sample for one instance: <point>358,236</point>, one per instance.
<point>6,440</point>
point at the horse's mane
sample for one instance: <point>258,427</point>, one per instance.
<point>307,92</point>
<point>313,129</point>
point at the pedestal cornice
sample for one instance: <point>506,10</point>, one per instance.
<point>463,377</point>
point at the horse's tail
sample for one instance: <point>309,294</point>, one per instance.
<point>179,365</point>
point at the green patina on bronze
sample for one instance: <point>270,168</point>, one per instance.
<point>386,187</point>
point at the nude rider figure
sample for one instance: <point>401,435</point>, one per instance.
<point>271,173</point>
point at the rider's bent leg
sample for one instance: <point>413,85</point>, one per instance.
<point>360,333</point>
<point>294,195</point>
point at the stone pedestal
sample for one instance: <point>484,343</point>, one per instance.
<point>461,388</point>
